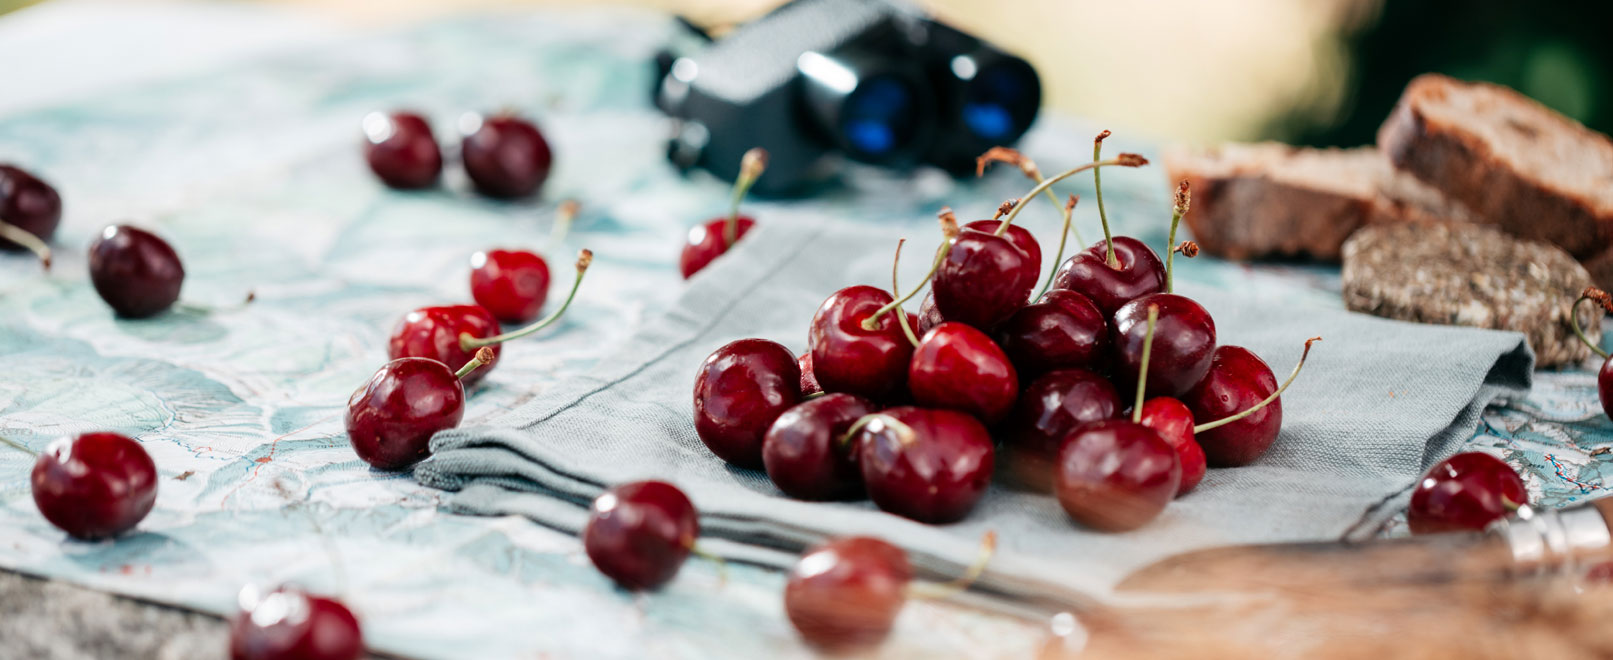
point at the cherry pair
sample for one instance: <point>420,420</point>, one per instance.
<point>288,623</point>
<point>709,240</point>
<point>93,485</point>
<point>505,156</point>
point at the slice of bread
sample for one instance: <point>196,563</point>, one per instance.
<point>1514,162</point>
<point>1265,200</point>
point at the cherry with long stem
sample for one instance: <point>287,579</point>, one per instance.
<point>1600,297</point>
<point>949,231</point>
<point>1263,403</point>
<point>468,342</point>
<point>27,239</point>
<point>751,166</point>
<point>1179,209</point>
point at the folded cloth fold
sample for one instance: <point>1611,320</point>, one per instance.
<point>1378,403</point>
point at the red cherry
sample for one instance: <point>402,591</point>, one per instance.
<point>433,333</point>
<point>1604,377</point>
<point>510,284</point>
<point>30,211</point>
<point>928,465</point>
<point>741,388</point>
<point>1049,409</point>
<point>1063,330</point>
<point>985,278</point>
<point>846,594</point>
<point>390,420</point>
<point>1116,475</point>
<point>401,149</point>
<point>639,533</point>
<point>136,273</point>
<point>505,156</point>
<point>1237,379</point>
<point>809,382</point>
<point>1467,491</point>
<point>1174,423</point>
<point>928,316</point>
<point>848,357</point>
<point>709,240</point>
<point>94,485</point>
<point>1138,274</point>
<point>956,366</point>
<point>1604,386</point>
<point>1184,338</point>
<point>803,451</point>
<point>290,624</point>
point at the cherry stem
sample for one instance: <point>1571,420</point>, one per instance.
<point>1123,160</point>
<point>872,322</point>
<point>468,342</point>
<point>1178,210</point>
<point>904,433</point>
<point>28,240</point>
<point>938,591</point>
<point>1591,293</point>
<point>1263,403</point>
<point>751,166</point>
<point>483,356</point>
<point>18,446</point>
<point>1097,189</point>
<point>1064,235</point>
<point>563,217</point>
<point>901,316</point>
<point>722,564</point>
<point>206,308</point>
<point>1142,371</point>
<point>1028,166</point>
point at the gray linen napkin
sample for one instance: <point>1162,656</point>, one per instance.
<point>1378,402</point>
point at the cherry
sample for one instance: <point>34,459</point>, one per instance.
<point>809,382</point>
<point>401,149</point>
<point>510,284</point>
<point>711,239</point>
<point>1116,475</point>
<point>1173,422</point>
<point>390,420</point>
<point>1604,377</point>
<point>929,465</point>
<point>136,273</point>
<point>1241,399</point>
<point>1062,330</point>
<point>807,452</point>
<point>854,351</point>
<point>505,156</point>
<point>740,390</point>
<point>451,334</point>
<point>846,593</point>
<point>639,533</point>
<point>93,485</point>
<point>291,624</point>
<point>1137,273</point>
<point>1467,491</point>
<point>30,211</point>
<point>956,366</point>
<point>988,274</point>
<point>1049,409</point>
<point>928,316</point>
<point>1184,340</point>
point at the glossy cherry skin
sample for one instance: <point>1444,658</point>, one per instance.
<point>390,420</point>
<point>511,284</point>
<point>740,389</point>
<point>928,316</point>
<point>1115,475</point>
<point>401,150</point>
<point>1173,422</point>
<point>1184,339</point>
<point>505,156</point>
<point>809,382</point>
<point>959,367</point>
<point>936,475</point>
<point>847,358</point>
<point>29,204</point>
<point>1465,492</point>
<point>639,533</point>
<point>1604,386</point>
<point>708,241</point>
<point>803,453</point>
<point>136,273</point>
<point>1064,329</point>
<point>986,278</point>
<point>1088,273</point>
<point>433,332</point>
<point>1238,379</point>
<point>290,624</point>
<point>94,485</point>
<point>845,594</point>
<point>1049,409</point>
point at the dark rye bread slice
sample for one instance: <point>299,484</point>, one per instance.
<point>1516,163</point>
<point>1469,274</point>
<point>1263,200</point>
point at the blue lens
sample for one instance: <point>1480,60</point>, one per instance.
<point>877,118</point>
<point>1001,101</point>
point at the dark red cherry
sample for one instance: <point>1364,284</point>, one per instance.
<point>1174,423</point>
<point>1063,330</point>
<point>291,624</point>
<point>1604,386</point>
<point>505,156</point>
<point>708,241</point>
<point>956,366</point>
<point>1049,409</point>
<point>847,357</point>
<point>511,284</point>
<point>639,533</point>
<point>401,149</point>
<point>29,204</point>
<point>803,451</point>
<point>809,382</point>
<point>1089,274</point>
<point>928,316</point>
<point>741,388</point>
<point>1237,380</point>
<point>433,333</point>
<point>845,594</point>
<point>1020,237</point>
<point>94,485</point>
<point>1184,338</point>
<point>1467,491</point>
<point>985,278</point>
<point>390,420</point>
<point>1116,475</point>
<point>136,273</point>
<point>925,464</point>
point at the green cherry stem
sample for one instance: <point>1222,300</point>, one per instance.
<point>18,446</point>
<point>468,342</point>
<point>901,316</point>
<point>751,166</point>
<point>1179,209</point>
<point>904,433</point>
<point>1123,160</point>
<point>28,240</point>
<point>1590,293</point>
<point>483,356</point>
<point>960,584</point>
<point>1064,235</point>
<point>1097,189</point>
<point>1142,370</point>
<point>1028,166</point>
<point>949,231</point>
<point>722,564</point>
<point>1264,402</point>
